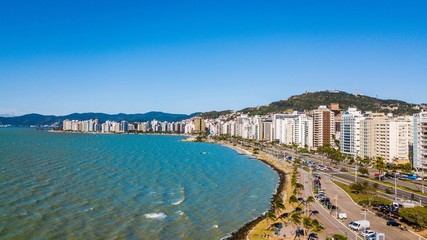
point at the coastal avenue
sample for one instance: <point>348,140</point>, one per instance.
<point>332,225</point>
<point>353,211</point>
<point>347,176</point>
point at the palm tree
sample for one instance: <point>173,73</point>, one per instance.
<point>293,199</point>
<point>308,224</point>
<point>295,218</point>
<point>380,165</point>
<point>270,215</point>
<point>298,188</point>
<point>308,202</point>
<point>278,205</point>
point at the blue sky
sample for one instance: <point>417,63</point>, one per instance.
<point>60,57</point>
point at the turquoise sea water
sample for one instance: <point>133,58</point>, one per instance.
<point>94,186</point>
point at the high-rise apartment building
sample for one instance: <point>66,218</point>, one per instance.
<point>385,136</point>
<point>420,140</point>
<point>350,132</point>
<point>199,124</point>
<point>323,126</point>
<point>293,129</point>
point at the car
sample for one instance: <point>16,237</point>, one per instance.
<point>392,222</point>
<point>314,212</point>
<point>372,237</point>
<point>299,232</point>
<point>331,207</point>
<point>367,233</point>
<point>342,215</point>
<point>313,236</point>
<point>359,225</point>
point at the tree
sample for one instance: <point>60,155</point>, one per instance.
<point>416,216</point>
<point>308,224</point>
<point>295,218</point>
<point>339,237</point>
<point>366,161</point>
<point>407,168</point>
<point>298,188</point>
<point>317,227</point>
<point>270,216</point>
<point>309,200</point>
<point>278,205</point>
<point>380,165</point>
<point>363,171</point>
<point>360,187</point>
<point>293,199</point>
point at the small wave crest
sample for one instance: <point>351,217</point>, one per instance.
<point>158,216</point>
<point>179,202</point>
<point>180,212</point>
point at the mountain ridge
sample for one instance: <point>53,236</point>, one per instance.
<point>35,119</point>
<point>312,100</point>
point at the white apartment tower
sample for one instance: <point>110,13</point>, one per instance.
<point>385,136</point>
<point>420,140</point>
<point>350,132</point>
<point>293,129</point>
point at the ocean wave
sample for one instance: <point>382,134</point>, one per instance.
<point>158,216</point>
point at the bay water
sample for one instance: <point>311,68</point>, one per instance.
<point>125,186</point>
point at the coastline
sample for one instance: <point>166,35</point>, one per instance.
<point>245,231</point>
<point>128,133</point>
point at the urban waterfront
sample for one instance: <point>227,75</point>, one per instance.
<point>97,186</point>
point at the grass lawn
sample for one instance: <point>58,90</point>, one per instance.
<point>363,199</point>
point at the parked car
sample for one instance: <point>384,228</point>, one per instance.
<point>392,222</point>
<point>367,233</point>
<point>342,215</point>
<point>372,237</point>
<point>313,236</point>
<point>359,225</point>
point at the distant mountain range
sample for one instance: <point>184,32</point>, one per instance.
<point>41,120</point>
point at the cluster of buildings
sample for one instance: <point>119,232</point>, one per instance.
<point>193,125</point>
<point>395,138</point>
<point>367,134</point>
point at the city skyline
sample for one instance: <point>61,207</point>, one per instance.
<point>191,57</point>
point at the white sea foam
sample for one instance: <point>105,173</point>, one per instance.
<point>179,212</point>
<point>179,202</point>
<point>86,210</point>
<point>158,216</point>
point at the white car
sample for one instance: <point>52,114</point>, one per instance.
<point>342,215</point>
<point>367,233</point>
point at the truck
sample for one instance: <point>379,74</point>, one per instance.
<point>359,225</point>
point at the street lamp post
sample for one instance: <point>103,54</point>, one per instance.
<point>422,177</point>
<point>336,204</point>
<point>355,169</point>
<point>395,186</point>
<point>364,229</point>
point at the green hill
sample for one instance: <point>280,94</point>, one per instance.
<point>312,100</point>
